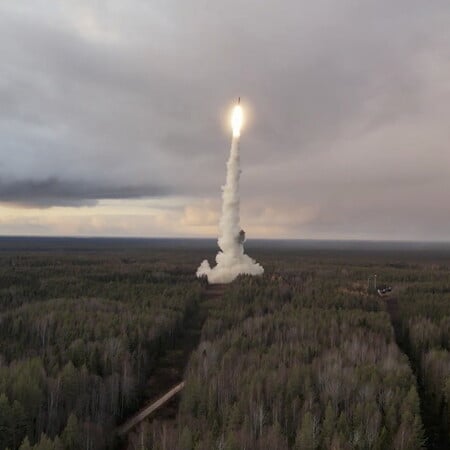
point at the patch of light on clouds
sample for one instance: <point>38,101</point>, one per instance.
<point>91,23</point>
<point>113,21</point>
<point>131,217</point>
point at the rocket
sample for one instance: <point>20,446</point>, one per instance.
<point>231,259</point>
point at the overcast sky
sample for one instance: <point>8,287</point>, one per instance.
<point>114,117</point>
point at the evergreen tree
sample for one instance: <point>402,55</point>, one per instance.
<point>186,440</point>
<point>307,435</point>
<point>70,437</point>
<point>25,444</point>
<point>328,426</point>
<point>5,421</point>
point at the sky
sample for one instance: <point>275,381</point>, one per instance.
<point>114,117</point>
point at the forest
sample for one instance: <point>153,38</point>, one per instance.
<point>309,356</point>
<point>79,338</point>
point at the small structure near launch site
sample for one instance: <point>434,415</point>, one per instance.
<point>231,259</point>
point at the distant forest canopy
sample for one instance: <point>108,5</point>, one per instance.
<point>302,358</point>
<point>415,249</point>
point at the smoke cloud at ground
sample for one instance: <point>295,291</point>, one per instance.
<point>231,260</point>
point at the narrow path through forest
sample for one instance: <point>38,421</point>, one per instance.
<point>145,412</point>
<point>436,437</point>
<point>167,379</point>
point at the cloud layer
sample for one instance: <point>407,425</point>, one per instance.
<point>348,104</point>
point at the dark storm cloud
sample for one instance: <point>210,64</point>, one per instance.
<point>345,97</point>
<point>52,191</point>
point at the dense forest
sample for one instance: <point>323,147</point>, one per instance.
<point>278,369</point>
<point>309,356</point>
<point>425,328</point>
<point>79,337</point>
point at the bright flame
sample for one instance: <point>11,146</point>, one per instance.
<point>236,120</point>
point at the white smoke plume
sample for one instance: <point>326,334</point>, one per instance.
<point>231,260</point>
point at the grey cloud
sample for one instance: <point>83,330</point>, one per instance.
<point>56,192</point>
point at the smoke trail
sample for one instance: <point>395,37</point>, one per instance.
<point>231,260</point>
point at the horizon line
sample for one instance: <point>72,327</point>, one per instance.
<point>374,240</point>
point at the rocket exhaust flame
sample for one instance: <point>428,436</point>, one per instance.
<point>231,260</point>
<point>237,120</point>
